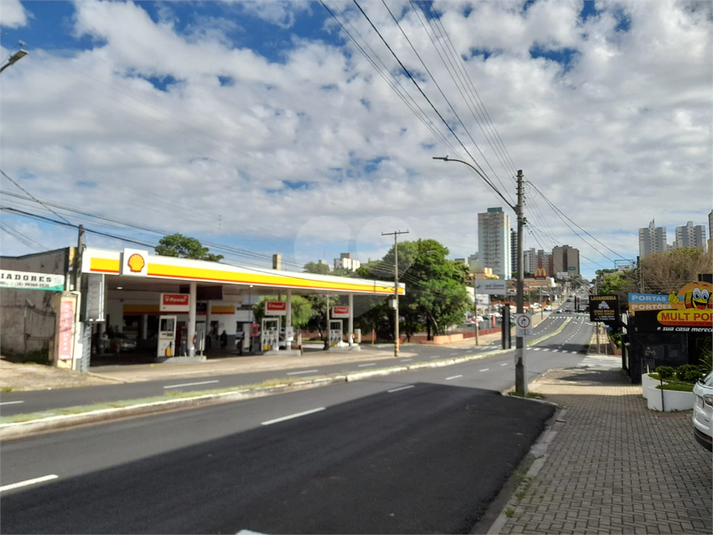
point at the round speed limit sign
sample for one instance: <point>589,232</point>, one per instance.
<point>523,321</point>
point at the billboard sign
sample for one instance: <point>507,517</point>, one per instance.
<point>642,302</point>
<point>689,310</point>
<point>340,312</point>
<point>175,302</point>
<point>26,280</point>
<point>491,287</point>
<point>275,308</point>
<point>603,308</point>
<point>540,273</point>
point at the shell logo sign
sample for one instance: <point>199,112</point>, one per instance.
<point>134,262</point>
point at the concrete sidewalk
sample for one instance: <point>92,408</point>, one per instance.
<point>610,464</point>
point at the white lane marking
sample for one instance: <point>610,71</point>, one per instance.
<point>504,364</point>
<point>300,373</point>
<point>29,482</point>
<point>291,416</point>
<point>555,350</point>
<point>484,369</point>
<point>545,349</point>
<point>192,384</point>
<point>574,352</point>
<point>365,365</point>
<point>399,388</point>
<point>453,377</point>
<point>10,402</point>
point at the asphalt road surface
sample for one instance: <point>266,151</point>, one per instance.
<point>369,457</point>
<point>573,340</point>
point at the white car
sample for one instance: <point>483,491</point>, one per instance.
<point>703,412</point>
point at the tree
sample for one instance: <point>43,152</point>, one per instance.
<point>663,273</point>
<point>318,268</point>
<point>436,297</point>
<point>178,245</point>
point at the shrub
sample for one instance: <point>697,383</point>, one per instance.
<point>665,372</point>
<point>38,356</point>
<point>689,373</point>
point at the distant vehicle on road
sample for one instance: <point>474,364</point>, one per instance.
<point>548,308</point>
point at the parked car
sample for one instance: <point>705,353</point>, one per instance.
<point>703,411</point>
<point>548,308</point>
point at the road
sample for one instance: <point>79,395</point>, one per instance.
<point>36,401</point>
<point>417,452</point>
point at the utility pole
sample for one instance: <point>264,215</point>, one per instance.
<point>520,370</point>
<point>475,308</point>
<point>520,375</point>
<point>395,234</point>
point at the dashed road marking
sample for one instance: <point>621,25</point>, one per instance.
<point>453,377</point>
<point>192,384</point>
<point>28,482</point>
<point>291,416</point>
<point>300,373</point>
<point>399,389</point>
<point>10,402</point>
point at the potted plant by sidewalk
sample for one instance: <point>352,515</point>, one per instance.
<point>675,391</point>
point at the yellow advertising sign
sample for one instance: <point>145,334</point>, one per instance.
<point>691,306</point>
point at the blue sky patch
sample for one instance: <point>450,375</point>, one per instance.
<point>226,80</point>
<point>85,184</point>
<point>589,9</point>
<point>564,56</point>
<point>623,20</point>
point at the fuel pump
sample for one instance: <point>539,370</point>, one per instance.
<point>270,334</point>
<point>335,333</point>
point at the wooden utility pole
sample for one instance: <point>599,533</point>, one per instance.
<point>395,234</point>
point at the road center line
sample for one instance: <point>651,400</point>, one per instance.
<point>484,369</point>
<point>365,365</point>
<point>192,384</point>
<point>29,482</point>
<point>10,402</point>
<point>299,373</point>
<point>399,388</point>
<point>291,416</point>
<point>454,377</point>
<point>504,364</point>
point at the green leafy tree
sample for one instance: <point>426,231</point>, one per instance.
<point>178,245</point>
<point>436,297</point>
<point>318,268</point>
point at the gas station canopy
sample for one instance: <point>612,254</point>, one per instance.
<point>139,268</point>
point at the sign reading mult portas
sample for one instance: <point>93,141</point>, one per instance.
<point>688,310</point>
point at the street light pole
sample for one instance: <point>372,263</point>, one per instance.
<point>15,57</point>
<point>395,234</point>
<point>520,371</point>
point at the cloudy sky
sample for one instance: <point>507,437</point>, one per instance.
<point>308,128</point>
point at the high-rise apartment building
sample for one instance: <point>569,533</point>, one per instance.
<point>346,261</point>
<point>529,260</point>
<point>494,242</point>
<point>513,250</point>
<point>652,239</point>
<point>544,261</point>
<point>565,259</point>
<point>690,236</point>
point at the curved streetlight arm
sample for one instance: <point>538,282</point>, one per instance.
<point>14,58</point>
<point>487,181</point>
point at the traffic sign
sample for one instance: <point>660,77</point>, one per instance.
<point>523,323</point>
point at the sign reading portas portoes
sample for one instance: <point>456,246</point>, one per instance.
<point>688,310</point>
<point>26,280</point>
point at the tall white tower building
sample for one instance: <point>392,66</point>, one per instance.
<point>690,236</point>
<point>494,242</point>
<point>652,239</point>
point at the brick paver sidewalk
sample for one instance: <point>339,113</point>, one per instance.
<point>612,465</point>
